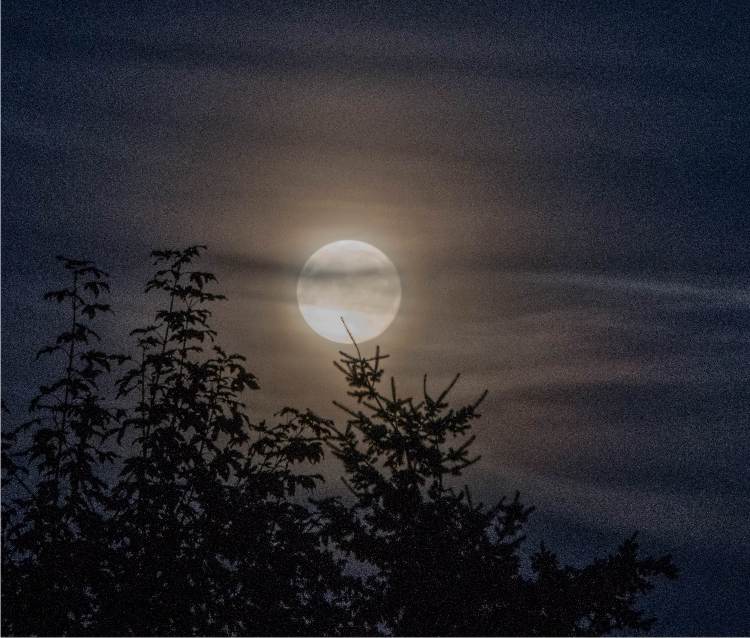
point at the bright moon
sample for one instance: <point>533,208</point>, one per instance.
<point>353,280</point>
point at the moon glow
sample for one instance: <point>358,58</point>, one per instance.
<point>353,280</point>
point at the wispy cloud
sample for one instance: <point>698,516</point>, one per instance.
<point>719,296</point>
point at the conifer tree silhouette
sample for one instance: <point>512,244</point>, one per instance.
<point>148,501</point>
<point>444,564</point>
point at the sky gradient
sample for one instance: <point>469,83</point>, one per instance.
<point>564,193</point>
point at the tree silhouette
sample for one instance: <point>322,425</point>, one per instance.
<point>142,498</point>
<point>53,530</point>
<point>443,564</point>
<point>210,538</point>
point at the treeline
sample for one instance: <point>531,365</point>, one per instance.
<point>141,498</point>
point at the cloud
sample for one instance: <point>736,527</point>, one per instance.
<point>251,265</point>
<point>715,296</point>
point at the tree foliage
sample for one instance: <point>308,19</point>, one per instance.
<point>142,498</point>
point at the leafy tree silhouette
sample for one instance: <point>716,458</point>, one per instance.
<point>148,502</point>
<point>52,532</point>
<point>211,539</point>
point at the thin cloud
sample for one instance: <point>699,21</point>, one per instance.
<point>718,296</point>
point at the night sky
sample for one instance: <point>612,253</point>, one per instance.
<point>564,192</point>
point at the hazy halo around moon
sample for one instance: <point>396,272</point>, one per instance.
<point>353,280</point>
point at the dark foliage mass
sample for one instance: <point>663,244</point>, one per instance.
<point>141,498</point>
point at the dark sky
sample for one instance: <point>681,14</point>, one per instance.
<point>564,192</point>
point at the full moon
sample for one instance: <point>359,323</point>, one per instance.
<point>351,280</point>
